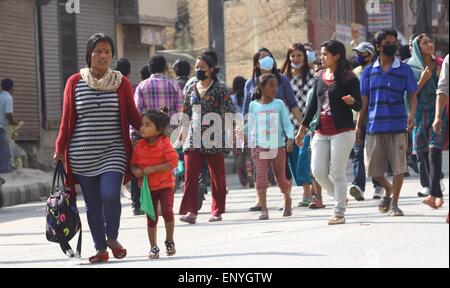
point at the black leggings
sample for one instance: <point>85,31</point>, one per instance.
<point>433,168</point>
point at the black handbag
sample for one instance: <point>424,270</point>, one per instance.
<point>62,217</point>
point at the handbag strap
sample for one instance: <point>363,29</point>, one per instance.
<point>58,176</point>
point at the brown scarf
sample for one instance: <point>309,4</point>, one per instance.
<point>109,82</point>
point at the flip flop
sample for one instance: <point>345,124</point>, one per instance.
<point>188,219</point>
<point>384,205</point>
<point>428,201</point>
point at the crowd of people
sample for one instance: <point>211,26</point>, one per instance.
<point>296,126</point>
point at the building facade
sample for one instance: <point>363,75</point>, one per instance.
<point>249,26</point>
<point>43,42</point>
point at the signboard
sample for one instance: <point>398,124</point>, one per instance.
<point>381,19</point>
<point>358,33</point>
<point>343,34</point>
<point>152,35</point>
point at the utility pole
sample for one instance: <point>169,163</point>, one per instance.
<point>424,15</point>
<point>255,25</point>
<point>217,33</point>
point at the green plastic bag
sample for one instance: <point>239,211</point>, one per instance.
<point>146,200</point>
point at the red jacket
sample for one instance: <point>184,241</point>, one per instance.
<point>129,115</point>
<point>160,152</point>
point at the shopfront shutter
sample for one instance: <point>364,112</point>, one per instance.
<point>52,65</point>
<point>95,16</point>
<point>18,61</point>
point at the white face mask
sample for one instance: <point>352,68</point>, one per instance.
<point>296,66</point>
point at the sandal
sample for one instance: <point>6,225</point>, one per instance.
<point>99,257</point>
<point>188,219</point>
<point>170,248</point>
<point>439,202</point>
<point>336,220</point>
<point>385,204</point>
<point>396,212</point>
<point>304,203</point>
<point>154,253</point>
<point>288,208</point>
<point>215,218</point>
<point>255,209</point>
<point>430,202</point>
<point>118,252</point>
<point>264,216</point>
<point>316,204</point>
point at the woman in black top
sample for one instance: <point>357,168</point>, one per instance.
<point>336,93</point>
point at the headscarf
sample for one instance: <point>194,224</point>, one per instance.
<point>427,95</point>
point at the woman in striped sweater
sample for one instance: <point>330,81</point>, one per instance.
<point>94,141</point>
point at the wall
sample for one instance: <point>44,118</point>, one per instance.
<point>250,25</point>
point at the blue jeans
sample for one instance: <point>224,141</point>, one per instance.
<point>5,153</point>
<point>359,169</point>
<point>102,197</point>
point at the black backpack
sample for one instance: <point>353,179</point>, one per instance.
<point>63,219</point>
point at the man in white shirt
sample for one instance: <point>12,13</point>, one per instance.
<point>6,118</point>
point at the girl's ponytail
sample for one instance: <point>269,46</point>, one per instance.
<point>256,95</point>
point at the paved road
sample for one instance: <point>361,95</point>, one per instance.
<point>369,239</point>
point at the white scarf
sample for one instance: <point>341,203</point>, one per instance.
<point>109,82</point>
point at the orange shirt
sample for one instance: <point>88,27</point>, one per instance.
<point>160,152</point>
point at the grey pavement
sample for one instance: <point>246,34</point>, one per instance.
<point>369,239</point>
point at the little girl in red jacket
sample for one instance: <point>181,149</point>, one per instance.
<point>155,157</point>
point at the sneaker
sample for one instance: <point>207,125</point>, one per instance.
<point>356,193</point>
<point>378,193</point>
<point>336,220</point>
<point>425,192</point>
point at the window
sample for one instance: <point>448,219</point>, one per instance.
<point>344,11</point>
<point>325,9</point>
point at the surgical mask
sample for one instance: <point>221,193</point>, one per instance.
<point>297,66</point>
<point>266,63</point>
<point>389,50</point>
<point>361,61</point>
<point>200,75</point>
<point>311,56</point>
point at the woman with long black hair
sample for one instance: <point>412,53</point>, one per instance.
<point>297,69</point>
<point>336,94</point>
